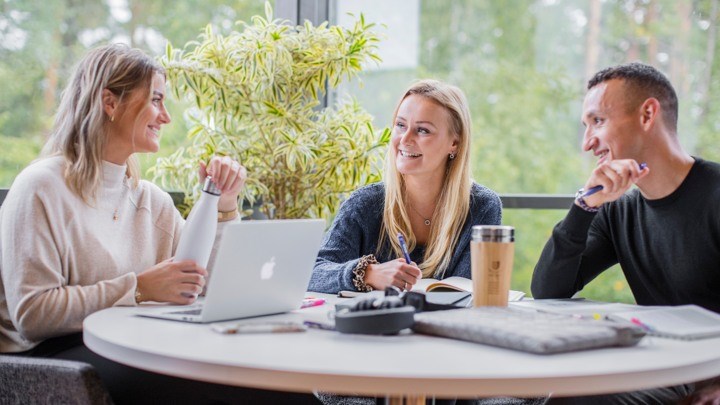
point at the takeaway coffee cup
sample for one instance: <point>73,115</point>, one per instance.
<point>491,253</point>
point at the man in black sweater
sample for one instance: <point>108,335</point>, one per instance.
<point>665,234</point>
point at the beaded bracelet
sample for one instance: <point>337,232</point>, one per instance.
<point>359,273</point>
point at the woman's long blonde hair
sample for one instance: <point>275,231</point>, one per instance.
<point>454,200</point>
<point>80,131</point>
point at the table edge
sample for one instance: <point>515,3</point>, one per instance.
<point>290,380</point>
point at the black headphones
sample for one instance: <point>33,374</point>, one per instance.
<point>386,315</point>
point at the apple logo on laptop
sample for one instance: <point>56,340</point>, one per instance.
<point>267,270</point>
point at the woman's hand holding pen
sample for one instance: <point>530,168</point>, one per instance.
<point>610,180</point>
<point>396,272</point>
<point>175,282</point>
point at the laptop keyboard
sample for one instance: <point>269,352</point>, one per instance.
<point>518,329</point>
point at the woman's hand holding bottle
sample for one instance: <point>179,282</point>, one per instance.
<point>174,282</point>
<point>228,175</point>
<point>181,279</point>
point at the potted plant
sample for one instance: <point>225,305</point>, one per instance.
<point>257,98</point>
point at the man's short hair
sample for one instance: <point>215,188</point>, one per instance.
<point>642,82</point>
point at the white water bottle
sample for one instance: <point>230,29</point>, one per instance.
<point>198,234</point>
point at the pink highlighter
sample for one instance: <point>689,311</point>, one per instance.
<point>312,302</point>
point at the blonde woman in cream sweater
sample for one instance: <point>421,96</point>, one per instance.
<point>80,232</point>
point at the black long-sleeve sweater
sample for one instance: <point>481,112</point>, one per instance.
<point>669,248</point>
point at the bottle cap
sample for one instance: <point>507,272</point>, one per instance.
<point>210,187</point>
<point>493,233</point>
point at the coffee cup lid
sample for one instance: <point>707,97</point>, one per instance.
<point>493,233</point>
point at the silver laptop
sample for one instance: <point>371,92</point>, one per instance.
<point>261,268</point>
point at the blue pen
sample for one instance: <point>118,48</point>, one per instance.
<point>593,190</point>
<point>403,246</point>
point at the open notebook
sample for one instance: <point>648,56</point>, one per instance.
<point>456,283</point>
<point>687,322</point>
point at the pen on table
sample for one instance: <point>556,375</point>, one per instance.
<point>639,323</point>
<point>312,302</point>
<point>272,327</point>
<point>403,246</point>
<point>593,190</point>
<point>318,325</point>
<point>349,294</point>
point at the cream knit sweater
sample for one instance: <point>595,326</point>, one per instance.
<point>62,259</point>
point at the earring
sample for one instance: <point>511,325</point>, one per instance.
<point>451,155</point>
<point>112,118</point>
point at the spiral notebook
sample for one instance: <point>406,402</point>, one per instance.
<point>686,322</point>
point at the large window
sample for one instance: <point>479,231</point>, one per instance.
<point>523,65</point>
<point>40,41</point>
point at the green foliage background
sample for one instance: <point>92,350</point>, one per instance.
<point>523,65</point>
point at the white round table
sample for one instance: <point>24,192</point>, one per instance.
<point>401,365</point>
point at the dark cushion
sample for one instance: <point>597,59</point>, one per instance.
<point>31,380</point>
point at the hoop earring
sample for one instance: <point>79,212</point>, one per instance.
<point>451,156</point>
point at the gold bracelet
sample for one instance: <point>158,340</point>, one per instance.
<point>138,295</point>
<point>227,215</point>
